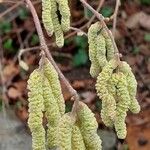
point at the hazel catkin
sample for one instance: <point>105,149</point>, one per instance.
<point>92,35</point>
<point>108,101</point>
<point>56,25</point>
<point>46,16</point>
<point>132,86</point>
<point>36,108</point>
<point>88,127</point>
<point>65,130</point>
<point>65,14</point>
<point>77,139</point>
<point>52,76</point>
<point>122,103</point>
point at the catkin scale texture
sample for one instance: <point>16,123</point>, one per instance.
<point>109,46</point>
<point>122,104</point>
<point>65,130</point>
<point>92,35</point>
<point>46,16</point>
<point>77,139</point>
<point>65,14</point>
<point>108,101</point>
<point>101,51</point>
<point>52,136</point>
<point>132,86</point>
<point>36,107</point>
<point>88,127</point>
<point>54,82</point>
<point>56,25</point>
<point>51,106</point>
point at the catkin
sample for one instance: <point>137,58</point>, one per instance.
<point>108,101</point>
<point>101,51</point>
<point>54,82</point>
<point>36,107</point>
<point>123,103</point>
<point>51,107</point>
<point>92,35</point>
<point>88,127</point>
<point>65,130</point>
<point>46,16</point>
<point>77,139</point>
<point>65,14</point>
<point>132,86</point>
<point>52,137</point>
<point>56,25</point>
<point>110,52</point>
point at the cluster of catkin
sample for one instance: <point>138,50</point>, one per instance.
<point>65,131</point>
<point>56,18</point>
<point>116,84</point>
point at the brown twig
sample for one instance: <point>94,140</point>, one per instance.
<point>44,47</point>
<point>101,18</point>
<point>118,3</point>
<point>98,9</point>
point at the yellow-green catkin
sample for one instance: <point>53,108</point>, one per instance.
<point>101,51</point>
<point>52,76</point>
<point>56,25</point>
<point>51,106</point>
<point>52,137</point>
<point>46,16</point>
<point>108,101</point>
<point>65,132</point>
<point>123,103</point>
<point>65,14</point>
<point>92,35</point>
<point>77,139</point>
<point>52,114</point>
<point>88,127</point>
<point>110,51</point>
<point>132,86</point>
<point>36,108</point>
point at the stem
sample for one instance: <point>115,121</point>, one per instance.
<point>101,18</point>
<point>44,47</point>
<point>118,3</point>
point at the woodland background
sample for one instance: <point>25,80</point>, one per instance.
<point>17,31</point>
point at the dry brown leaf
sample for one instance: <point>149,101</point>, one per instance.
<point>13,93</point>
<point>139,18</point>
<point>10,71</point>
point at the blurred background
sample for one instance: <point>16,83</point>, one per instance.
<point>17,32</point>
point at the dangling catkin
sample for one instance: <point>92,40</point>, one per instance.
<point>108,101</point>
<point>92,35</point>
<point>46,16</point>
<point>132,86</point>
<point>54,82</point>
<point>88,127</point>
<point>36,108</point>
<point>65,130</point>
<point>123,103</point>
<point>110,52</point>
<point>101,51</point>
<point>65,14</point>
<point>77,139</point>
<point>56,25</point>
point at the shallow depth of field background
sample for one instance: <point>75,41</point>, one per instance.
<point>17,32</point>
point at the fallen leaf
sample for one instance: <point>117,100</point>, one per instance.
<point>13,93</point>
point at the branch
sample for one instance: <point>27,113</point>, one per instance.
<point>101,18</point>
<point>98,9</point>
<point>118,3</point>
<point>45,49</point>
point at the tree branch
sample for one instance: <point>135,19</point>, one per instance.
<point>101,18</point>
<point>118,3</point>
<point>44,48</point>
